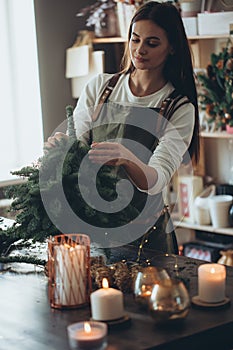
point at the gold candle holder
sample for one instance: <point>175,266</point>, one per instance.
<point>69,270</point>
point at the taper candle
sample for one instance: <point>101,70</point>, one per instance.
<point>71,275</point>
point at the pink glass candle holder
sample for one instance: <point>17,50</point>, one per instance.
<point>89,335</point>
<point>69,270</point>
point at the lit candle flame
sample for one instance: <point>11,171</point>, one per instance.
<point>212,270</point>
<point>87,327</point>
<point>66,245</point>
<point>105,283</point>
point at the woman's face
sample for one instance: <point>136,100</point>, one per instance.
<point>148,46</point>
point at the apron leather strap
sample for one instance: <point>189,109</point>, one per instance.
<point>166,109</point>
<point>105,95</point>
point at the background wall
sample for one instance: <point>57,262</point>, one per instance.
<point>57,28</point>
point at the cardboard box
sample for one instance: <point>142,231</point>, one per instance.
<point>190,25</point>
<point>214,23</point>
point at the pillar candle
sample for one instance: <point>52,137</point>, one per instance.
<point>107,303</point>
<point>71,274</point>
<point>211,282</point>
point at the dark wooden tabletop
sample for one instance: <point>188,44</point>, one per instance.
<point>27,322</point>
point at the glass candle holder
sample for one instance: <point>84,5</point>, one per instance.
<point>144,282</point>
<point>69,270</point>
<point>169,301</point>
<point>89,335</point>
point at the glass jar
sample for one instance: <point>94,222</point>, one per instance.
<point>144,282</point>
<point>169,301</point>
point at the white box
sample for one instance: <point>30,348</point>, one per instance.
<point>214,23</point>
<point>190,25</point>
<point>125,12</point>
<point>189,187</point>
<point>96,66</point>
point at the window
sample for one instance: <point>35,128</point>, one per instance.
<point>21,137</point>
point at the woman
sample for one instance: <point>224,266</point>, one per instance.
<point>157,76</point>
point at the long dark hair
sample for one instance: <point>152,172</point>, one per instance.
<point>178,68</point>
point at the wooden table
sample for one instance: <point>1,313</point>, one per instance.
<point>29,323</point>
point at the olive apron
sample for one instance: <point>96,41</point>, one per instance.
<point>139,129</point>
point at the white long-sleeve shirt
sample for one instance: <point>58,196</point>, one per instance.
<point>168,155</point>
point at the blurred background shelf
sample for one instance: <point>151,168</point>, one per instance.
<point>207,228</point>
<point>217,134</point>
<point>112,40</point>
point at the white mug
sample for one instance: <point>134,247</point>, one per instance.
<point>219,206</point>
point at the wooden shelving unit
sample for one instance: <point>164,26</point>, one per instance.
<point>207,228</point>
<point>217,135</point>
<point>113,40</point>
<point>201,46</point>
<point>201,37</point>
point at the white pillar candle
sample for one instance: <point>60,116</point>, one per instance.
<point>70,274</point>
<point>211,282</point>
<point>107,303</point>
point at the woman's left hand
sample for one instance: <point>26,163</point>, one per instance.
<point>109,153</point>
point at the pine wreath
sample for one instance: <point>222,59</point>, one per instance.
<point>32,220</point>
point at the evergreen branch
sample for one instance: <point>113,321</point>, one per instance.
<point>43,178</point>
<point>22,259</point>
<point>70,119</point>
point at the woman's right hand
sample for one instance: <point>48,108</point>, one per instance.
<point>52,140</point>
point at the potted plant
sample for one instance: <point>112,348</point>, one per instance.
<point>229,127</point>
<point>216,95</point>
<point>102,16</point>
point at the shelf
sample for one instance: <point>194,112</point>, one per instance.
<point>113,40</point>
<point>109,40</point>
<point>208,228</point>
<point>12,182</point>
<point>204,37</point>
<point>216,135</point>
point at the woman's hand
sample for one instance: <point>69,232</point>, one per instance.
<point>52,140</point>
<point>109,153</point>
<point>112,153</point>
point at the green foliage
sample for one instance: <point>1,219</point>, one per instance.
<point>70,121</point>
<point>217,86</point>
<point>32,220</point>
